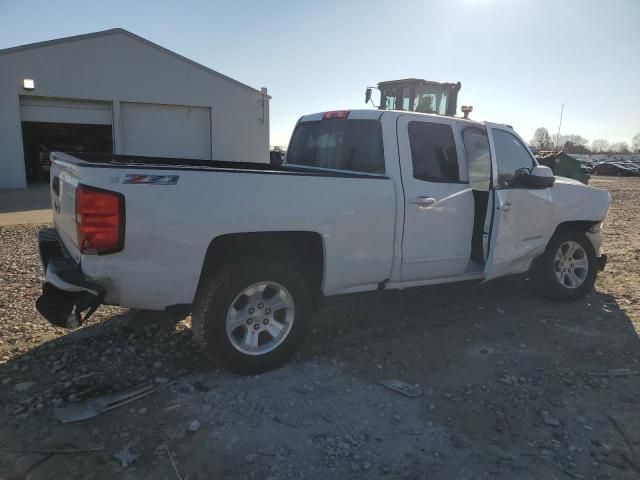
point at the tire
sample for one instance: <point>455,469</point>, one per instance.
<point>547,269</point>
<point>225,288</point>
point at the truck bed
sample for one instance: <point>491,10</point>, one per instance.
<point>170,225</point>
<point>161,163</point>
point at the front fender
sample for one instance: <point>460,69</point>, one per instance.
<point>574,202</point>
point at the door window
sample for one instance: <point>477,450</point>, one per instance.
<point>511,156</point>
<point>476,145</point>
<point>433,152</point>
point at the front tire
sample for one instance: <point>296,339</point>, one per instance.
<point>251,316</point>
<point>567,269</point>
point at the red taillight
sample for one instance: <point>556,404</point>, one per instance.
<point>336,115</point>
<point>99,220</point>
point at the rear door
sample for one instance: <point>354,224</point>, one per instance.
<point>521,214</point>
<point>438,219</point>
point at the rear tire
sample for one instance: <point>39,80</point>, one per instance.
<point>251,343</point>
<point>567,269</point>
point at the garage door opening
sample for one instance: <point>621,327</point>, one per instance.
<point>41,138</point>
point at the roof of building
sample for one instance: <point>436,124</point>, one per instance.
<point>113,31</point>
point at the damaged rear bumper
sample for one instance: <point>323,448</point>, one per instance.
<point>68,297</point>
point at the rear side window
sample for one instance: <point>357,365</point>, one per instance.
<point>354,145</point>
<point>433,152</point>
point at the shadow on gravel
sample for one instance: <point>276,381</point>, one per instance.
<point>512,386</point>
<point>461,325</point>
<point>126,350</point>
<point>530,386</point>
<point>416,329</point>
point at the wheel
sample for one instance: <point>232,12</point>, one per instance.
<point>568,268</point>
<point>252,316</point>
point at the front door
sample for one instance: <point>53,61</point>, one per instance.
<point>438,220</point>
<point>521,215</point>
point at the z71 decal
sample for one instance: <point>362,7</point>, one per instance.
<point>151,179</point>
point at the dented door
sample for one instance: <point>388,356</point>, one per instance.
<point>521,215</point>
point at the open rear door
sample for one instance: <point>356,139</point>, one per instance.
<point>520,215</point>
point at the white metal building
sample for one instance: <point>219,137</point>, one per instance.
<point>115,92</point>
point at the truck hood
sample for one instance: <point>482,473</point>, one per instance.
<point>568,180</point>
<point>575,201</point>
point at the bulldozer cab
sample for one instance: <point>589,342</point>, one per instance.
<point>417,95</point>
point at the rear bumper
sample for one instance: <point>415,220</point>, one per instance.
<point>66,292</point>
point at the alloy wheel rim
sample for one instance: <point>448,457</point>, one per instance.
<point>571,264</point>
<point>260,318</point>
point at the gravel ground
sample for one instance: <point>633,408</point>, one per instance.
<point>512,386</point>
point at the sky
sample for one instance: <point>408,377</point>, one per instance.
<point>518,60</point>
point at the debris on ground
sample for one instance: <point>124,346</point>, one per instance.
<point>96,406</point>
<point>173,463</point>
<point>403,388</point>
<point>125,456</point>
<point>549,419</point>
<point>23,386</point>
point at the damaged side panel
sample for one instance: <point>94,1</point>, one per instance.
<point>525,220</point>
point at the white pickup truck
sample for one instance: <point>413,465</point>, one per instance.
<point>366,200</point>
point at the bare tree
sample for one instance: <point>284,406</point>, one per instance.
<point>600,145</point>
<point>635,143</point>
<point>570,147</point>
<point>541,139</point>
<point>619,147</point>
<point>573,138</point>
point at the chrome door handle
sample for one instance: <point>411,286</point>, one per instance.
<point>506,207</point>
<point>423,201</point>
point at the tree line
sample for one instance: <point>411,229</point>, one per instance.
<point>578,144</point>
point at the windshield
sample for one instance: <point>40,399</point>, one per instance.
<point>431,99</point>
<point>354,145</point>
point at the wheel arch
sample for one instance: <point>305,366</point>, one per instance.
<point>570,225</point>
<point>578,225</point>
<point>305,248</point>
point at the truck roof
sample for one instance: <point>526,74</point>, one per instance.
<point>370,114</point>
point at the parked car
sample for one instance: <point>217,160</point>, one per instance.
<point>610,168</point>
<point>631,166</point>
<point>366,201</point>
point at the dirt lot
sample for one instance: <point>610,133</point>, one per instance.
<point>513,386</point>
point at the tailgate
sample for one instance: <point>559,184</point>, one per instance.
<point>63,182</point>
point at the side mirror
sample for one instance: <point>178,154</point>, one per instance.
<point>539,177</point>
<point>367,95</point>
<point>542,171</point>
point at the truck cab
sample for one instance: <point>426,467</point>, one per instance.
<point>472,201</point>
